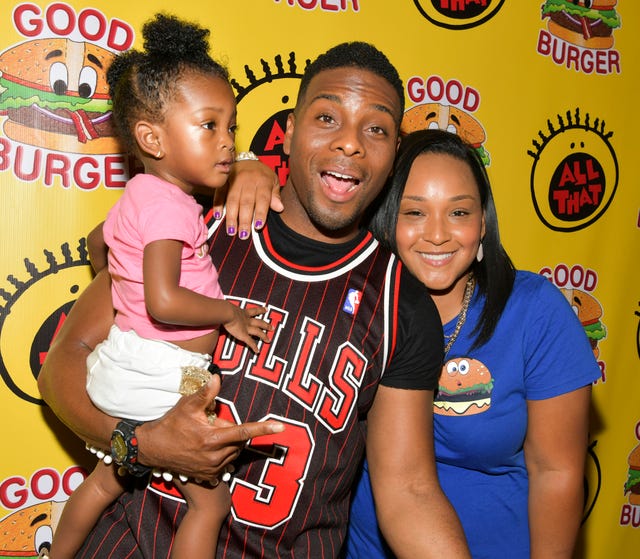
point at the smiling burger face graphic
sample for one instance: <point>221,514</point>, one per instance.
<point>464,388</point>
<point>436,115</point>
<point>55,95</point>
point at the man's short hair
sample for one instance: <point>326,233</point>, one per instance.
<point>355,54</point>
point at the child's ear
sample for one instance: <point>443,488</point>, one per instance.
<point>148,139</point>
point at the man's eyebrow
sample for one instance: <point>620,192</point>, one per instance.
<point>327,96</point>
<point>384,109</point>
<point>336,99</point>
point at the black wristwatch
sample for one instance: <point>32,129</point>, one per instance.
<point>124,447</point>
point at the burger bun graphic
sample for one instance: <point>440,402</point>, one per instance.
<point>586,23</point>
<point>27,531</point>
<point>464,388</point>
<point>446,117</point>
<point>589,312</point>
<point>55,95</point>
<point>632,486</point>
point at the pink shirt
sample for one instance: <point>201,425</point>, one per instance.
<point>151,209</point>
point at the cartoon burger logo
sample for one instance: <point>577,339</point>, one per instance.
<point>586,23</point>
<point>27,531</point>
<point>464,388</point>
<point>589,312</point>
<point>632,485</point>
<point>55,95</point>
<point>446,117</point>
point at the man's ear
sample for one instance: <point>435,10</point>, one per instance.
<point>288,133</point>
<point>148,137</point>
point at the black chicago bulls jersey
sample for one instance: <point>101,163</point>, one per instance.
<point>345,320</point>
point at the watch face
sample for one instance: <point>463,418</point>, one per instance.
<point>119,447</point>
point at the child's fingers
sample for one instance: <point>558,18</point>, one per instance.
<point>251,344</point>
<point>255,311</point>
<point>260,333</point>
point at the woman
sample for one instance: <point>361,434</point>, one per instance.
<point>511,414</point>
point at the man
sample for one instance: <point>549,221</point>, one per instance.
<point>354,357</point>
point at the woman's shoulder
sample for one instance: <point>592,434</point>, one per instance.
<point>535,291</point>
<point>538,298</point>
<point>527,281</point>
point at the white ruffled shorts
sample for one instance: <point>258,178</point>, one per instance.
<point>138,378</point>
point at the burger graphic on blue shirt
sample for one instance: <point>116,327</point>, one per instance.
<point>464,388</point>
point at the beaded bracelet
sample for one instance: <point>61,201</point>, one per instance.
<point>166,475</point>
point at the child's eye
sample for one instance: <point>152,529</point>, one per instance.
<point>209,125</point>
<point>233,129</point>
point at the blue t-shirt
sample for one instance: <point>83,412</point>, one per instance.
<point>539,350</point>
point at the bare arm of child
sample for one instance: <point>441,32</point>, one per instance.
<point>167,302</point>
<point>97,248</point>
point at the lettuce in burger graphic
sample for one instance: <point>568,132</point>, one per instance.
<point>54,94</point>
<point>589,312</point>
<point>464,388</point>
<point>632,485</point>
<point>586,23</point>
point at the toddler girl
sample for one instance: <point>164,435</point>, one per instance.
<point>175,110</point>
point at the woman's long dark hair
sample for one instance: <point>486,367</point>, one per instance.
<point>495,274</point>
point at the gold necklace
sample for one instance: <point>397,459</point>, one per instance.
<point>468,292</point>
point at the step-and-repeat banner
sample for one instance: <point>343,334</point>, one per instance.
<point>547,91</point>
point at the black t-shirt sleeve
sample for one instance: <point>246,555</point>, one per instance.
<point>417,359</point>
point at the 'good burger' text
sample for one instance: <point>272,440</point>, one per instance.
<point>86,172</point>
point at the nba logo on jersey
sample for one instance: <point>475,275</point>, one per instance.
<point>352,302</point>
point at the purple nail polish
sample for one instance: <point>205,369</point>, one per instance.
<point>258,223</point>
<point>231,230</point>
<point>217,215</point>
<point>243,234</point>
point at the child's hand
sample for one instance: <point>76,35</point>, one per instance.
<point>245,327</point>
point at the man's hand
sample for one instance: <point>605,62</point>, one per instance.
<point>252,190</point>
<point>204,450</point>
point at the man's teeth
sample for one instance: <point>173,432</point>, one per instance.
<point>342,177</point>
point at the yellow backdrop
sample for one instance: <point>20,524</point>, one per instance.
<point>556,122</point>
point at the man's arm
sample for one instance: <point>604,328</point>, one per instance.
<point>555,451</point>
<point>252,191</point>
<point>181,441</point>
<point>63,375</point>
<point>414,515</point>
<point>98,249</point>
